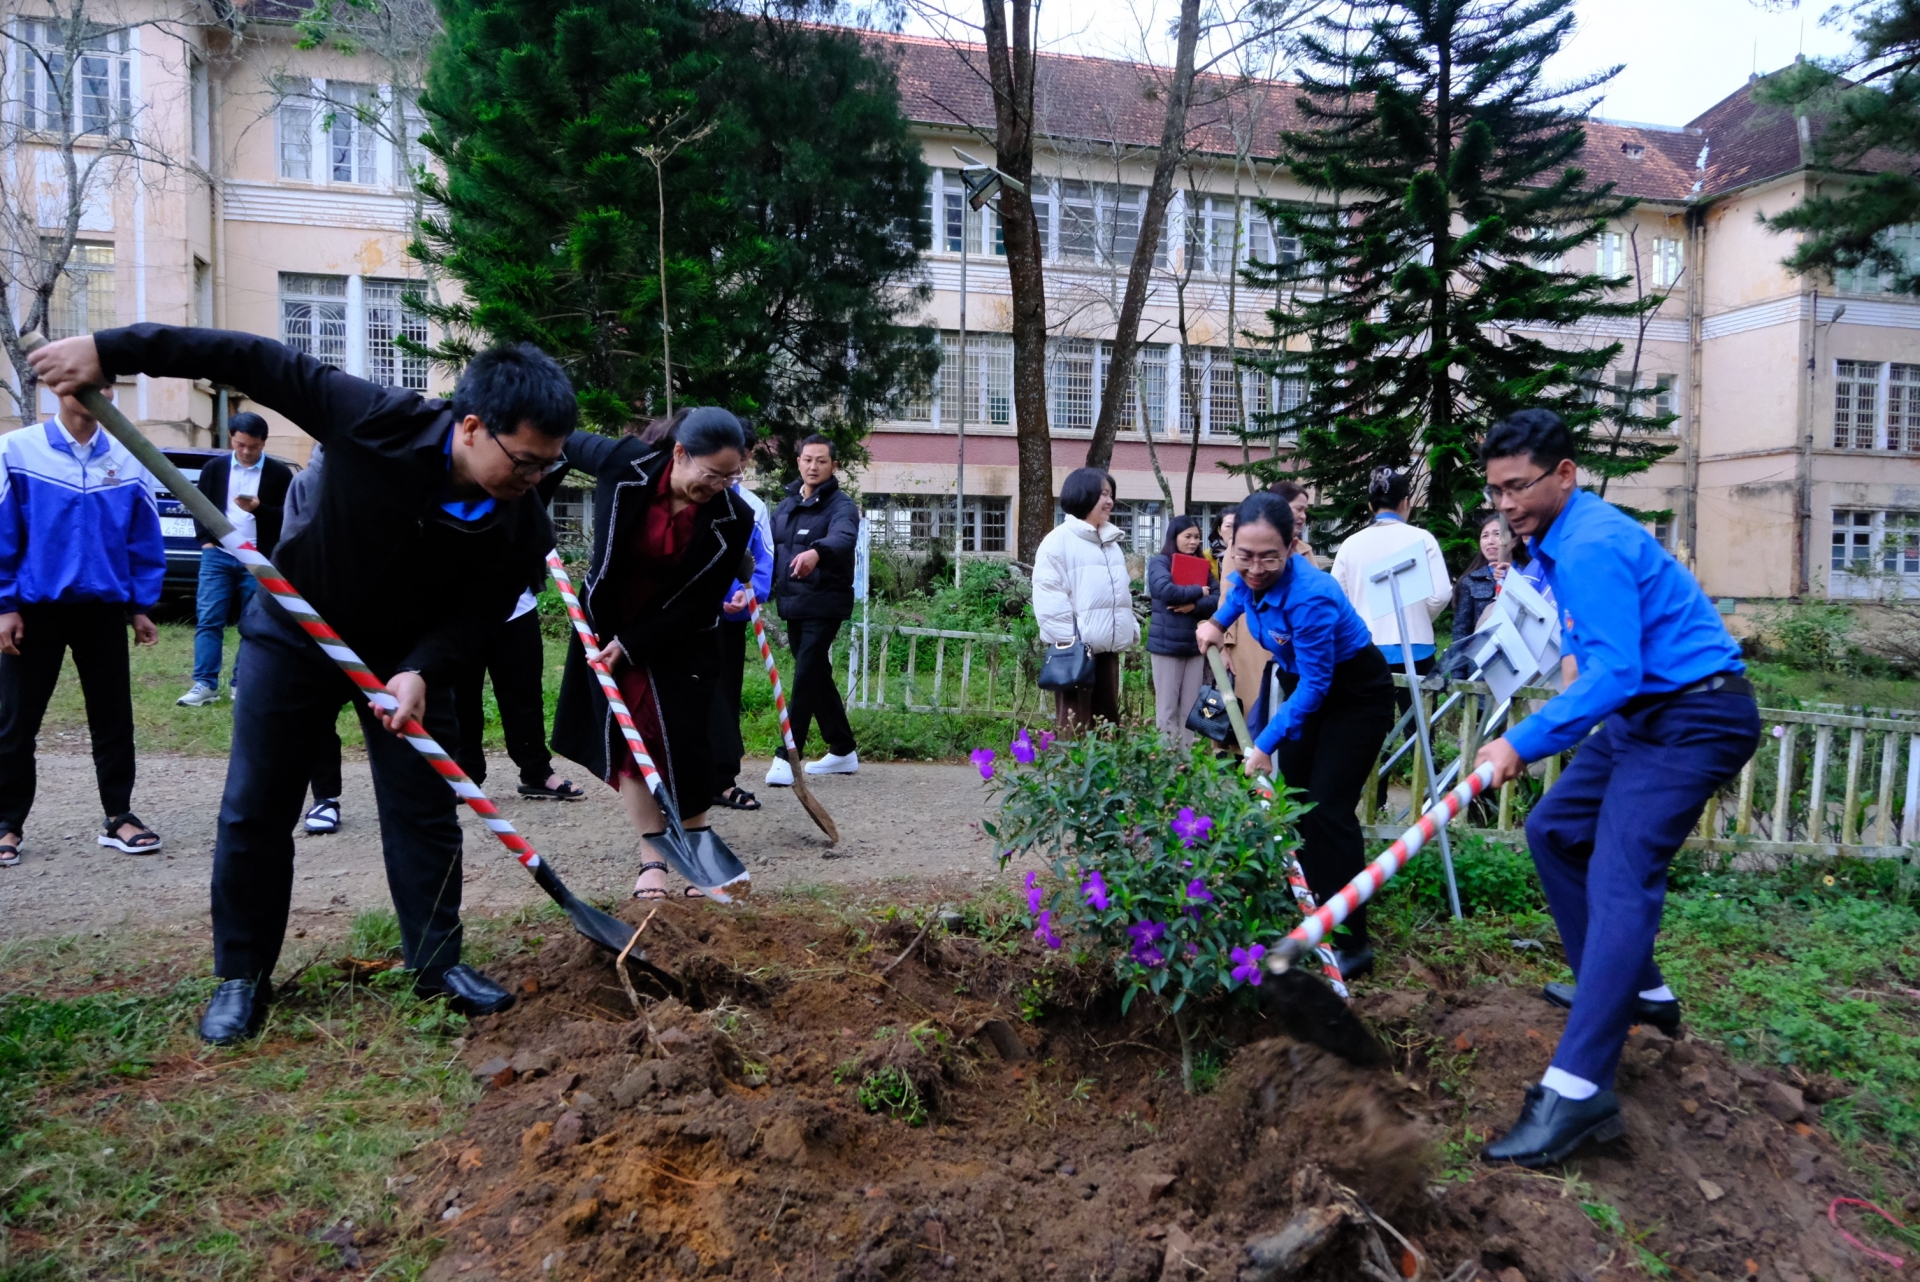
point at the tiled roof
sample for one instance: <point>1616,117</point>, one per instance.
<point>1108,100</point>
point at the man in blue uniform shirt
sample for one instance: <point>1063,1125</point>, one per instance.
<point>1663,681</point>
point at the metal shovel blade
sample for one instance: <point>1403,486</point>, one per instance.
<point>1310,1011</point>
<point>699,856</point>
<point>603,928</point>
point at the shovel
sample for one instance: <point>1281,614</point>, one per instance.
<point>813,807</point>
<point>701,857</point>
<point>1296,879</point>
<point>602,928</point>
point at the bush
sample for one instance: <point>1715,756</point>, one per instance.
<point>1493,877</point>
<point>1811,637</point>
<point>1165,865</point>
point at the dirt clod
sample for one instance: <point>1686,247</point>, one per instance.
<point>1783,1102</point>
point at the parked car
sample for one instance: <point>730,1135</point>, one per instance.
<point>176,526</point>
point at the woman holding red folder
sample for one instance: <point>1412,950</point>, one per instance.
<point>1184,590</point>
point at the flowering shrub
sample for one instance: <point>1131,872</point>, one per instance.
<point>1167,864</point>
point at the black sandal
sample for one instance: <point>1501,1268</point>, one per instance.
<point>143,842</point>
<point>10,849</point>
<point>567,791</point>
<point>651,893</point>
<point>736,798</point>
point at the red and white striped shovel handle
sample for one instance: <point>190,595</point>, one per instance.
<point>1376,874</point>
<point>773,674</point>
<point>375,691</point>
<point>608,686</point>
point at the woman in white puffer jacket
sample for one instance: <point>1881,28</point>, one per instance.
<point>1080,588</point>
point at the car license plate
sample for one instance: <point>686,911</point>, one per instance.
<point>176,527</point>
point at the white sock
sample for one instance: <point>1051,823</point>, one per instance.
<point>1567,1086</point>
<point>1660,994</point>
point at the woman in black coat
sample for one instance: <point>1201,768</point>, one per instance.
<point>669,539</point>
<point>1479,584</point>
<point>1178,669</point>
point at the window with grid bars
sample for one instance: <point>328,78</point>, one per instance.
<point>1874,553</point>
<point>390,319</point>
<point>923,520</point>
<point>1070,384</point>
<point>1903,242</point>
<point>82,299</point>
<point>313,316</point>
<point>1903,407</point>
<point>100,98</point>
<point>1146,401</point>
<point>1224,412</point>
<point>1856,401</point>
<point>989,381</point>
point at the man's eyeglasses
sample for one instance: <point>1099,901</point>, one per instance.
<point>1262,561</point>
<point>1495,493</point>
<point>535,467</point>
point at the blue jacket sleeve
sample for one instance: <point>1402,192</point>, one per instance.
<point>762,562</point>
<point>13,540</point>
<point>146,553</point>
<point>1596,587</point>
<point>1314,625</point>
<point>1233,604</point>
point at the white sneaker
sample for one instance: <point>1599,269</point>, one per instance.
<point>198,697</point>
<point>779,774</point>
<point>835,764</point>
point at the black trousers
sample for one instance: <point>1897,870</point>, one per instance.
<point>96,632</point>
<point>290,695</point>
<point>728,747</point>
<point>515,658</point>
<point>815,696</point>
<point>1331,759</point>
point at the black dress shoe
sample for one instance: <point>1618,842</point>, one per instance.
<point>238,1008</point>
<point>1664,1016</point>
<point>1552,1126</point>
<point>466,990</point>
<point>1356,963</point>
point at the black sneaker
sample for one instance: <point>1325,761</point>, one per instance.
<point>1664,1016</point>
<point>466,990</point>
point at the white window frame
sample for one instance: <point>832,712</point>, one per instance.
<point>83,293</point>
<point>1611,258</point>
<point>313,319</point>
<point>1887,393</point>
<point>1890,566</point>
<point>387,317</point>
<point>1865,279</point>
<point>1668,261</point>
<point>106,62</point>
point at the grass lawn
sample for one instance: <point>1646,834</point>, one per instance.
<point>1781,686</point>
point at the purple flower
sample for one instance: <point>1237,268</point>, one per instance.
<point>1043,930</point>
<point>1246,964</point>
<point>1191,828</point>
<point>1095,889</point>
<point>1146,934</point>
<point>983,757</point>
<point>1034,893</point>
<point>1022,749</point>
<point>1046,740</point>
<point>1197,894</point>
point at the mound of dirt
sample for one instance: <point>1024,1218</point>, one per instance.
<point>782,1110</point>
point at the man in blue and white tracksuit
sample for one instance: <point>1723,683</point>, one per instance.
<point>81,558</point>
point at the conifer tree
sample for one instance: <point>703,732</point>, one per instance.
<point>791,186</point>
<point>1430,290</point>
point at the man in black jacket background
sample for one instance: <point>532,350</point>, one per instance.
<point>815,529</point>
<point>252,489</point>
<point>424,531</point>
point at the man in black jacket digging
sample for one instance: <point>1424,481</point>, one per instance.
<point>424,531</point>
<point>815,529</point>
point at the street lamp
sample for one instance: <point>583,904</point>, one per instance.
<point>982,182</point>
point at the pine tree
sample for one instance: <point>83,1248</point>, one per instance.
<point>792,191</point>
<point>1429,285</point>
<point>1868,115</point>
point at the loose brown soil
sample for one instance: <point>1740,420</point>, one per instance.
<point>722,1133</point>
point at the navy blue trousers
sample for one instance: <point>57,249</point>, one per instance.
<point>282,726</point>
<point>1602,838</point>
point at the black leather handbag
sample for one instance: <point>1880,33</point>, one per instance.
<point>1208,716</point>
<point>1069,666</point>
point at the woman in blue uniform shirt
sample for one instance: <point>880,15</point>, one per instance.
<point>1325,733</point>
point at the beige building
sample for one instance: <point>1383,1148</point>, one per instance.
<point>248,183</point>
<point>1797,467</point>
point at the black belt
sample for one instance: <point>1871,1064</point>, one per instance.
<point>1718,683</point>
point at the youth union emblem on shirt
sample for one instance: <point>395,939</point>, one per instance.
<point>1277,639</point>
